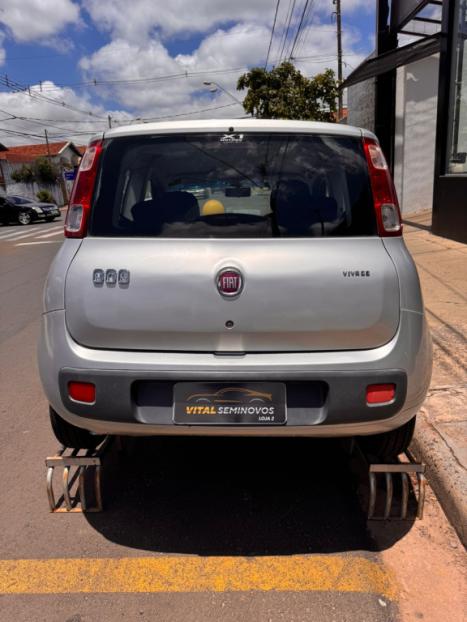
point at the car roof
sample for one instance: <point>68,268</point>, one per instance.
<point>235,125</point>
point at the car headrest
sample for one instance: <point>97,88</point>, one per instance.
<point>178,206</point>
<point>147,216</point>
<point>293,206</point>
<point>325,208</point>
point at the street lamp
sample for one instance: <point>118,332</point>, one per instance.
<point>214,86</point>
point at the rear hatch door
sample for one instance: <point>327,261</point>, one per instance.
<point>298,295</point>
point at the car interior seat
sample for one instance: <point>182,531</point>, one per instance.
<point>292,205</point>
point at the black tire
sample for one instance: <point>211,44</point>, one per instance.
<point>51,219</point>
<point>72,436</point>
<point>24,218</point>
<point>389,445</point>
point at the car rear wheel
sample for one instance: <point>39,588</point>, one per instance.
<point>72,436</point>
<point>389,445</point>
<point>24,218</point>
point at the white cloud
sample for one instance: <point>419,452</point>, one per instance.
<point>139,18</point>
<point>134,75</point>
<point>136,19</point>
<point>166,91</point>
<point>240,47</point>
<point>34,114</point>
<point>37,20</point>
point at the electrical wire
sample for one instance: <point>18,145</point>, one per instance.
<point>301,45</point>
<point>69,132</point>
<point>299,28</point>
<point>272,33</point>
<point>17,87</point>
<point>289,21</point>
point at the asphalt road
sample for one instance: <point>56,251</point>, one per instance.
<point>193,529</point>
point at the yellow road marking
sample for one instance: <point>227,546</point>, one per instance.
<point>300,573</point>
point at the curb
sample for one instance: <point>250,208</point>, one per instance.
<point>446,476</point>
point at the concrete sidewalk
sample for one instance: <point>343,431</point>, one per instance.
<point>441,434</point>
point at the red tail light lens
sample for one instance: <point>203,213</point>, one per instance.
<point>384,194</point>
<point>81,195</point>
<point>380,393</point>
<point>82,392</point>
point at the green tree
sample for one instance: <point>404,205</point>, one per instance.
<point>45,171</point>
<point>45,196</point>
<point>25,174</point>
<point>285,93</point>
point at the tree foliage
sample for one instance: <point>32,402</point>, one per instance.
<point>24,174</point>
<point>42,170</point>
<point>45,171</point>
<point>45,196</point>
<point>285,93</point>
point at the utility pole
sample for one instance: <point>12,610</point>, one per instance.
<point>339,56</point>
<point>47,143</point>
<point>109,119</point>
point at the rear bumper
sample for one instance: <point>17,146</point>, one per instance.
<point>405,361</point>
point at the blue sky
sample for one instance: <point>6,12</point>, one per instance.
<point>148,59</point>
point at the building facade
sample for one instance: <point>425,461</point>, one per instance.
<point>64,155</point>
<point>413,93</point>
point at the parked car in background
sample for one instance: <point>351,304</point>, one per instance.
<point>23,210</point>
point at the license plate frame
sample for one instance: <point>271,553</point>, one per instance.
<point>230,403</point>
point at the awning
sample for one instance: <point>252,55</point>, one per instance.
<point>395,58</point>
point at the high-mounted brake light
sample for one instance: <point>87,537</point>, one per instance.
<point>384,194</point>
<point>81,195</point>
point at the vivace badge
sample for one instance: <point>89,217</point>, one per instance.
<point>213,403</point>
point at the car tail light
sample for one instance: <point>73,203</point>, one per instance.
<point>384,194</point>
<point>81,195</point>
<point>82,392</point>
<point>380,393</point>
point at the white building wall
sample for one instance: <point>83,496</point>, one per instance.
<point>416,109</point>
<point>28,190</point>
<point>361,104</point>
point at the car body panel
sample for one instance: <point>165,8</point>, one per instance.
<point>409,350</point>
<point>298,295</point>
<point>299,320</point>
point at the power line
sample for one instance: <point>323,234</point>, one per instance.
<point>289,21</point>
<point>17,87</point>
<point>299,28</point>
<point>186,74</point>
<point>184,114</point>
<point>28,134</point>
<point>182,74</point>
<point>34,121</point>
<point>272,33</point>
<point>306,29</point>
<point>70,132</point>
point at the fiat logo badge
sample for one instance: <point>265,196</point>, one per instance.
<point>229,282</point>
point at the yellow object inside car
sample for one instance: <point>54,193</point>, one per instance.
<point>211,207</point>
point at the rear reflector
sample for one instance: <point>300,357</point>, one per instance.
<point>380,393</point>
<point>81,195</point>
<point>384,194</point>
<point>82,392</point>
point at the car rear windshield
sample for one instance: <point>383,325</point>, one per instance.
<point>233,186</point>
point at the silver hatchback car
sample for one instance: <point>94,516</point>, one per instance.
<point>234,277</point>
